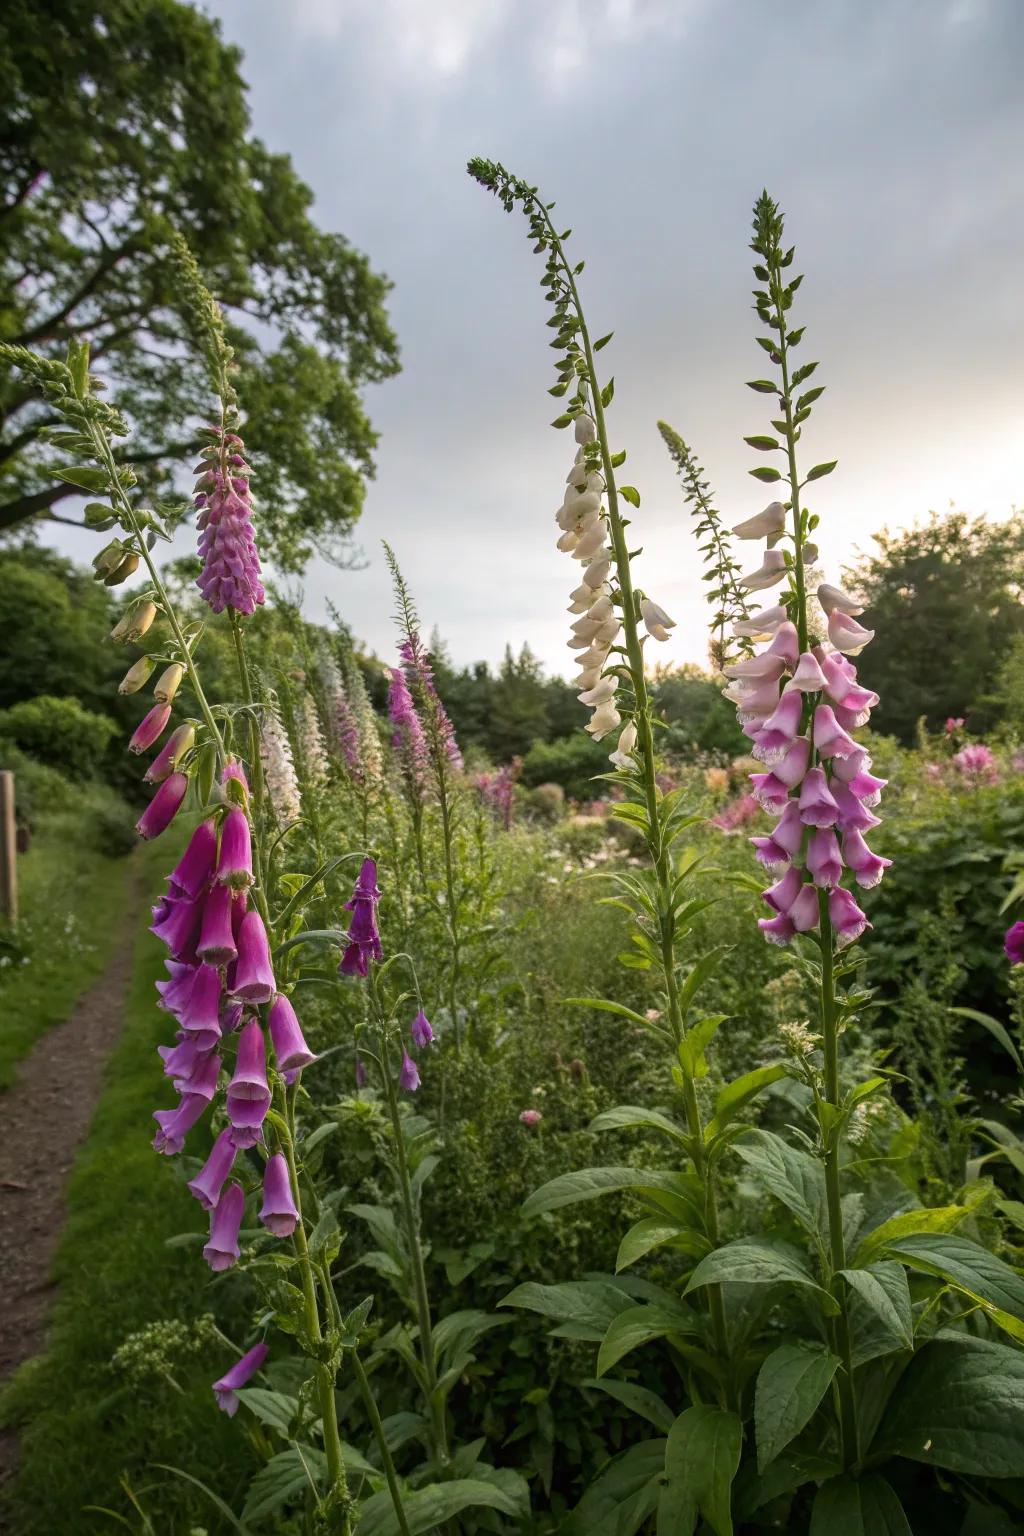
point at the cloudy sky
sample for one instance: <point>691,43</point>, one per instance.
<point>892,134</point>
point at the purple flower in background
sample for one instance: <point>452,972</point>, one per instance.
<point>407,739</point>
<point>242,1371</point>
<point>736,814</point>
<point>208,1183</point>
<point>408,1076</point>
<point>419,672</point>
<point>150,729</point>
<point>954,724</point>
<point>234,866</point>
<point>530,1117</point>
<point>1013,944</point>
<point>254,974</point>
<point>977,763</point>
<point>290,1049</point>
<point>363,934</point>
<point>421,1032</point>
<point>230,577</point>
<point>163,807</point>
<point>278,1212</point>
<point>222,1248</point>
<point>249,1092</point>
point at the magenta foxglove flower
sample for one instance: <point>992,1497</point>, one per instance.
<point>805,912</point>
<point>854,815</point>
<point>867,867</point>
<point>222,1248</point>
<point>196,864</point>
<point>420,1030</point>
<point>234,865</point>
<point>202,1079</point>
<point>248,1097</point>
<point>163,807</point>
<point>176,923</point>
<point>278,1212</point>
<point>175,1124</point>
<point>824,864</point>
<point>777,930</point>
<point>417,668</point>
<point>180,1060</point>
<point>830,740</point>
<point>1013,944</point>
<point>199,1014</point>
<point>408,1076</point>
<point>290,1049</point>
<point>779,731</point>
<point>233,769</point>
<point>209,1181</point>
<point>817,804</point>
<point>174,994</point>
<point>216,939</point>
<point>408,738</point>
<point>977,762</point>
<point>363,942</point>
<point>254,973</point>
<point>845,916</point>
<point>230,577</point>
<point>150,729</point>
<point>177,744</point>
<point>242,1371</point>
<point>784,892</point>
<point>530,1117</point>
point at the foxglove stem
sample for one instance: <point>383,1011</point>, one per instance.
<point>377,1425</point>
<point>255,757</point>
<point>659,853</point>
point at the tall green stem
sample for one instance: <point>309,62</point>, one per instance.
<point>382,1443</point>
<point>659,851</point>
<point>452,900</point>
<point>255,757</point>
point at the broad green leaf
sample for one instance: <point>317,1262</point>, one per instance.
<point>986,1279</point>
<point>637,1399</point>
<point>604,1006</point>
<point>274,1409</point>
<point>650,1233</point>
<point>591,1303</point>
<point>756,1263</point>
<point>696,1041</point>
<point>702,1455</point>
<point>622,1496</point>
<point>589,1183</point>
<point>457,1333</point>
<point>630,1116</point>
<point>630,494</point>
<point>763,443</point>
<point>789,1471</point>
<point>996,1030</point>
<point>858,1506</point>
<point>821,470</point>
<point>959,1405</point>
<point>937,1218</point>
<point>740,1092</point>
<point>699,974</point>
<point>634,1326</point>
<point>764,472</point>
<point>285,1477</point>
<point>432,1506</point>
<point>790,1386</point>
<point>84,476</point>
<point>793,1177</point>
<point>882,1289</point>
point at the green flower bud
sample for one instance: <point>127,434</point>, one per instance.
<point>166,685</point>
<point>137,675</point>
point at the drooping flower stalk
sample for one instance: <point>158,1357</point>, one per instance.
<point>587,530</point>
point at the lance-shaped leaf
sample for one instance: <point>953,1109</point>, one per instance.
<point>622,1496</point>
<point>959,1405</point>
<point>986,1279</point>
<point>881,1318</point>
<point>858,1506</point>
<point>639,1325</point>
<point>790,1386</point>
<point>758,1263</point>
<point>793,1177</point>
<point>589,1183</point>
<point>702,1455</point>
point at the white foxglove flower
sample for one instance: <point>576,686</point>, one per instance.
<point>279,769</point>
<point>627,741</point>
<point>602,609</point>
<point>595,657</point>
<point>588,678</point>
<point>567,543</point>
<point>769,524</point>
<point>833,598</point>
<point>760,625</point>
<point>605,718</point>
<point>609,630</point>
<point>601,691</point>
<point>578,474</point>
<point>311,741</point>
<point>656,620</point>
<point>846,634</point>
<point>595,573</point>
<point>771,571</point>
<point>585,430</point>
<point>590,542</point>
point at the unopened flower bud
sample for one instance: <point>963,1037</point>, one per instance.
<point>166,685</point>
<point>135,623</point>
<point>137,676</point>
<point>108,559</point>
<point>129,565</point>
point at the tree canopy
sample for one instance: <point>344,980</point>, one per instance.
<point>119,120</point>
<point>944,600</point>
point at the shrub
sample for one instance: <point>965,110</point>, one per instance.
<point>59,732</point>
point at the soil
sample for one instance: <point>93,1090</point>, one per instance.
<point>44,1117</point>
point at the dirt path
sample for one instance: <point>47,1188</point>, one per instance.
<point>44,1117</point>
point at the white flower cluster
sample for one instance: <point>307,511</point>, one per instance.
<point>583,521</point>
<point>311,741</point>
<point>279,769</point>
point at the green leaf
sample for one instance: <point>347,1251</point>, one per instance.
<point>604,1006</point>
<point>608,393</point>
<point>762,386</point>
<point>561,421</point>
<point>84,476</point>
<point>763,444</point>
<point>702,1456</point>
<point>739,1092</point>
<point>592,1304</point>
<point>936,1218</point>
<point>275,1409</point>
<point>639,1325</point>
<point>986,1279</point>
<point>618,459</point>
<point>646,1235</point>
<point>700,973</point>
<point>432,1506</point>
<point>637,1399</point>
<point>285,1477</point>
<point>457,1333</point>
<point>631,494</point>
<point>882,1288</point>
<point>790,1386</point>
<point>622,1496</point>
<point>821,470</point>
<point>793,1177</point>
<point>810,397</point>
<point>631,1116</point>
<point>960,1406</point>
<point>765,472</point>
<point>803,373</point>
<point>218,1503</point>
<point>696,1041</point>
<point>858,1506</point>
<point>589,1183</point>
<point>604,341</point>
<point>757,1263</point>
<point>996,1030</point>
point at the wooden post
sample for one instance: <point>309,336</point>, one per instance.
<point>8,849</point>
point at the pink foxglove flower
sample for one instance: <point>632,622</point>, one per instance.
<point>805,911</point>
<point>408,1075</point>
<point>222,1250</point>
<point>780,729</point>
<point>769,524</point>
<point>363,939</point>
<point>760,625</point>
<point>1013,944</point>
<point>174,749</point>
<point>196,864</point>
<point>209,1181</point>
<point>846,634</point>
<point>530,1118</point>
<point>248,1097</point>
<point>150,729</point>
<point>199,1013</point>
<point>243,1370</point>
<point>816,802</point>
<point>278,1213</point>
<point>830,740</point>
<point>977,762</point>
<point>290,1049</point>
<point>782,895</point>
<point>824,864</point>
<point>421,1032</point>
<point>254,974</point>
<point>834,599</point>
<point>163,807</point>
<point>866,867</point>
<point>845,916</point>
<point>175,1124</point>
<point>234,865</point>
<point>769,573</point>
<point>230,577</point>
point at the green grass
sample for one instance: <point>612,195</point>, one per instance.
<point>84,1425</point>
<point>72,903</point>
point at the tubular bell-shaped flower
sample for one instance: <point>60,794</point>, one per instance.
<point>230,577</point>
<point>222,1250</point>
<point>226,1390</point>
<point>163,807</point>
